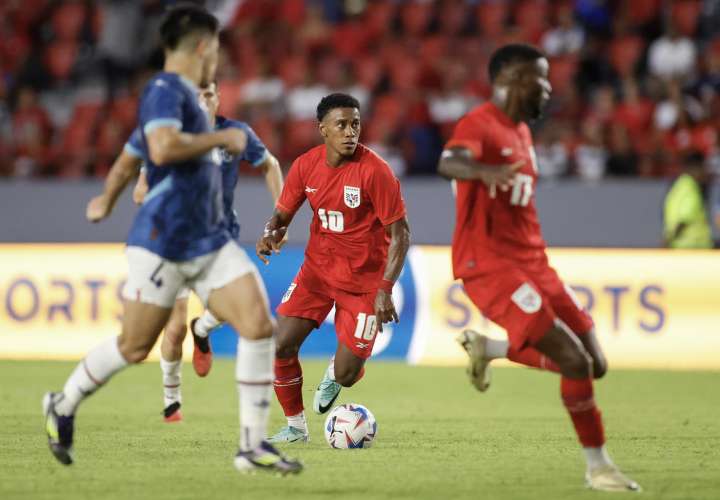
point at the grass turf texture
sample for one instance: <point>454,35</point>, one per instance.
<point>437,437</point>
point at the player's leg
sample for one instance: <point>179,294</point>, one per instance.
<point>301,311</point>
<point>171,359</point>
<point>356,330</point>
<point>291,333</point>
<point>232,289</point>
<point>202,349</point>
<point>482,349</point>
<point>146,311</point>
<point>570,311</point>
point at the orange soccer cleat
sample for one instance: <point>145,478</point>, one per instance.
<point>202,352</point>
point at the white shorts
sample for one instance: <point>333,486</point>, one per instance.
<point>154,280</point>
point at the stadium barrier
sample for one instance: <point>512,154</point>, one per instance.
<point>652,308</point>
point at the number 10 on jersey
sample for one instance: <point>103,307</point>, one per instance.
<point>332,220</point>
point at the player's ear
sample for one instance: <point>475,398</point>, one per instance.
<point>322,129</point>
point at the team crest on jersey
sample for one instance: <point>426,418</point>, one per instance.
<point>352,196</point>
<point>527,299</point>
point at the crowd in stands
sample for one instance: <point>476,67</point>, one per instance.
<point>636,83</point>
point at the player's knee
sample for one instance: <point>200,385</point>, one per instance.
<point>578,365</point>
<point>600,368</point>
<point>285,348</point>
<point>133,353</point>
<point>175,332</point>
<point>347,376</point>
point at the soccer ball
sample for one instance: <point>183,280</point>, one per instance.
<point>350,426</point>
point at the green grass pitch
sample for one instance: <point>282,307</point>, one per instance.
<point>437,438</point>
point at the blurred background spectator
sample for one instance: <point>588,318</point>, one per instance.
<point>636,84</point>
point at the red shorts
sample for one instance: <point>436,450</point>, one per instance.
<point>525,300</point>
<point>310,298</point>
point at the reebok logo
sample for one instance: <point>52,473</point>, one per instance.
<point>310,190</point>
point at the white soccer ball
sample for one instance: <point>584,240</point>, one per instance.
<point>350,426</point>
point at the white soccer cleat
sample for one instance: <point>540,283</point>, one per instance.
<point>609,478</point>
<point>478,370</point>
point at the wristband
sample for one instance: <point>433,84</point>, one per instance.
<point>267,233</point>
<point>386,286</point>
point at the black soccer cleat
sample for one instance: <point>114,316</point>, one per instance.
<point>59,430</point>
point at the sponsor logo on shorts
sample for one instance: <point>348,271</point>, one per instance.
<point>361,345</point>
<point>352,196</point>
<point>527,299</point>
<point>289,292</point>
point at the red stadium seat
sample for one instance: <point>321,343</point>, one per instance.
<point>530,18</point>
<point>625,52</point>
<point>368,70</point>
<point>491,17</point>
<point>685,15</point>
<point>231,95</point>
<point>350,39</point>
<point>415,17</point>
<point>59,58</point>
<point>389,107</point>
<point>378,17</point>
<point>640,12</point>
<point>453,16</point>
<point>124,111</point>
<point>67,20</point>
<point>293,70</point>
<point>562,73</point>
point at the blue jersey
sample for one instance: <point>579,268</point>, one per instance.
<point>182,216</point>
<point>255,154</point>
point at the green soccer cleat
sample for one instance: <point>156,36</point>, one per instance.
<point>289,434</point>
<point>59,430</point>
<point>266,458</point>
<point>326,394</point>
<point>478,370</point>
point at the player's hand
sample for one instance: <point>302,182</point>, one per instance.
<point>270,242</point>
<point>385,309</point>
<point>98,208</point>
<point>502,176</point>
<point>234,140</point>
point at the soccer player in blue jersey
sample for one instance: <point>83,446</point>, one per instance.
<point>125,169</point>
<point>180,238</point>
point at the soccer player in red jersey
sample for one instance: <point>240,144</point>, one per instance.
<point>359,237</point>
<point>499,253</point>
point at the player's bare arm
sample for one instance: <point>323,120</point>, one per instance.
<point>141,188</point>
<point>272,172</point>
<point>457,163</point>
<point>273,235</point>
<point>122,171</point>
<point>399,232</point>
<point>167,145</point>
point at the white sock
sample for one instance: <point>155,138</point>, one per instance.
<point>496,348</point>
<point>172,374</point>
<point>254,375</point>
<point>331,369</point>
<point>205,323</point>
<point>298,421</point>
<point>99,365</point>
<point>597,457</point>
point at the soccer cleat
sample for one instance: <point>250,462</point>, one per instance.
<point>202,352</point>
<point>266,458</point>
<point>172,413</point>
<point>325,394</point>
<point>59,430</point>
<point>478,369</point>
<point>609,478</point>
<point>289,434</point>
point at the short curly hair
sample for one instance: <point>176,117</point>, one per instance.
<point>337,100</point>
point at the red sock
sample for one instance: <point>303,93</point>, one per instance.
<point>577,396</point>
<point>288,385</point>
<point>533,358</point>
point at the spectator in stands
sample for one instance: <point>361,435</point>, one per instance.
<point>31,134</point>
<point>553,160</point>
<point>686,222</point>
<point>591,155</point>
<point>672,55</point>
<point>623,160</point>
<point>567,38</point>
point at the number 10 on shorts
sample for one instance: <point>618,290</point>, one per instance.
<point>366,326</point>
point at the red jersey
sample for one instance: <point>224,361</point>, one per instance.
<point>351,206</point>
<point>492,225</point>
